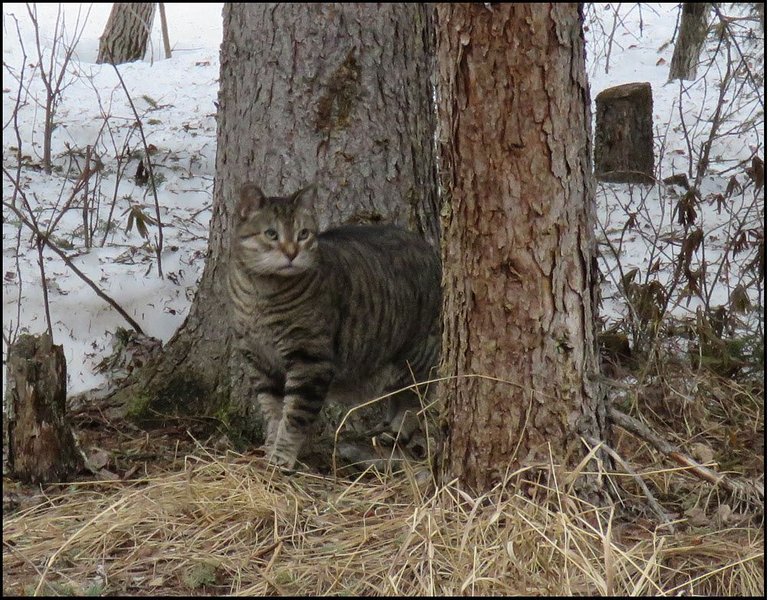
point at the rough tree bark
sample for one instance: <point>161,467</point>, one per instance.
<point>126,33</point>
<point>41,448</point>
<point>338,95</point>
<point>514,122</point>
<point>694,18</point>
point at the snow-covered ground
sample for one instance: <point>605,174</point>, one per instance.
<point>175,100</point>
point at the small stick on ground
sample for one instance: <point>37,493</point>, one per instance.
<point>665,518</point>
<point>744,490</point>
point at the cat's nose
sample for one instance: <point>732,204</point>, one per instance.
<point>290,250</point>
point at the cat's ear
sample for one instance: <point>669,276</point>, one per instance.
<point>251,198</point>
<point>305,198</point>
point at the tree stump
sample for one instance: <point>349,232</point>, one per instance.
<point>624,134</point>
<point>126,33</point>
<point>41,447</point>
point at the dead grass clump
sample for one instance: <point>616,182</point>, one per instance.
<point>230,525</point>
<point>717,421</point>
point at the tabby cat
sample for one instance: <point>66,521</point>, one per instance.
<point>351,313</point>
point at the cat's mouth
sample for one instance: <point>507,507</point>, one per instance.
<point>289,269</point>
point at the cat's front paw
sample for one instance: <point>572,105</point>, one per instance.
<point>280,460</point>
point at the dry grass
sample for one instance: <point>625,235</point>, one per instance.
<point>717,421</point>
<point>229,525</point>
<point>202,521</point>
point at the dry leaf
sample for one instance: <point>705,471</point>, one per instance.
<point>702,453</point>
<point>697,517</point>
<point>723,515</point>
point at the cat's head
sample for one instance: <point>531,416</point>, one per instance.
<point>276,236</point>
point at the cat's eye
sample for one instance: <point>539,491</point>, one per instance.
<point>303,234</point>
<point>270,234</point>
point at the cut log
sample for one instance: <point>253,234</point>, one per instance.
<point>624,134</point>
<point>41,447</point>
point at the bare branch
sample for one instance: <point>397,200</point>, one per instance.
<point>159,247</point>
<point>32,225</point>
<point>44,283</point>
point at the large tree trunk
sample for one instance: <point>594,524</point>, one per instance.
<point>338,95</point>
<point>126,33</point>
<point>694,18</point>
<point>513,113</point>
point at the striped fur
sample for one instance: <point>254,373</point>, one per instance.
<point>352,312</point>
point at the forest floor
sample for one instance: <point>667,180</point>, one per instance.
<point>177,511</point>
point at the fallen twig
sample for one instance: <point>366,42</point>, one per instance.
<point>742,489</point>
<point>665,518</point>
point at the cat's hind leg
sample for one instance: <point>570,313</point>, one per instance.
<point>402,419</point>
